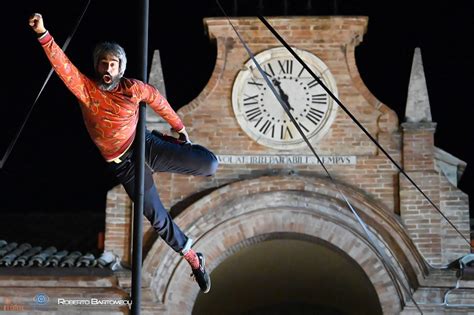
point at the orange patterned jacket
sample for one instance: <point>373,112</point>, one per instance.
<point>111,117</point>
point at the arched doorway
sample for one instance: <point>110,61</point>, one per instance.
<point>247,213</point>
<point>285,274</point>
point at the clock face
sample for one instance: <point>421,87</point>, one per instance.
<point>259,112</point>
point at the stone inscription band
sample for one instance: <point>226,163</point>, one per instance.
<point>287,159</point>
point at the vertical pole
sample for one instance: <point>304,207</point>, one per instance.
<point>139,151</point>
<point>335,7</point>
<point>235,8</point>
<point>285,7</point>
<point>260,6</point>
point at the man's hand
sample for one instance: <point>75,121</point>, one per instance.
<point>183,136</point>
<point>37,24</point>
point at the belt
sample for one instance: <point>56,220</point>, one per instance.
<point>122,157</point>
<point>116,160</point>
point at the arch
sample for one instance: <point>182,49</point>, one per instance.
<point>388,119</point>
<point>288,273</point>
<point>223,45</point>
<point>306,206</point>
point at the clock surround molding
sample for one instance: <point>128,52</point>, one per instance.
<point>260,114</point>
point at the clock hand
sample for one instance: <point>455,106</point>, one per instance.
<point>283,95</point>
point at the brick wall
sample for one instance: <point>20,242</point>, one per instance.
<point>436,239</point>
<point>117,223</point>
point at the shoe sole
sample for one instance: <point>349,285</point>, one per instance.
<point>204,265</point>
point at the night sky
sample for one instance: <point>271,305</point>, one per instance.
<point>55,169</point>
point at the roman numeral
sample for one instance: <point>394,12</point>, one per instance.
<point>265,127</point>
<point>315,115</point>
<point>251,100</point>
<point>313,83</point>
<point>268,69</point>
<point>253,113</point>
<point>285,131</point>
<point>255,83</point>
<point>303,126</point>
<point>286,66</point>
<point>319,98</point>
<point>301,71</point>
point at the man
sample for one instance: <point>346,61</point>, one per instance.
<point>109,104</point>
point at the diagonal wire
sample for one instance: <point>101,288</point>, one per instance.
<point>17,135</point>
<point>286,106</point>
<point>264,21</point>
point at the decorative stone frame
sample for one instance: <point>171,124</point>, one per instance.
<point>310,207</point>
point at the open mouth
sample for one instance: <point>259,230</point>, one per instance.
<point>107,78</point>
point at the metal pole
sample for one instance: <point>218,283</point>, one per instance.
<point>139,151</point>
<point>336,7</point>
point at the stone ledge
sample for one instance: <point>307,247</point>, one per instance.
<point>55,279</point>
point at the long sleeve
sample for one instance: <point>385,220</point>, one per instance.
<point>65,69</point>
<point>110,116</point>
<point>160,105</point>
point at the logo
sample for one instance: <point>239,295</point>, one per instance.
<point>41,299</point>
<point>9,306</point>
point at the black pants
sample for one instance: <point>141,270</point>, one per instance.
<point>164,156</point>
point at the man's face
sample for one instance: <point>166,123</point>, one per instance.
<point>108,72</point>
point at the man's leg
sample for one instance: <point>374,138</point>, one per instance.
<point>153,208</point>
<point>190,159</point>
<point>162,155</point>
<point>161,220</point>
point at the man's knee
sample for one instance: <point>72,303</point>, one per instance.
<point>208,162</point>
<point>210,167</point>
